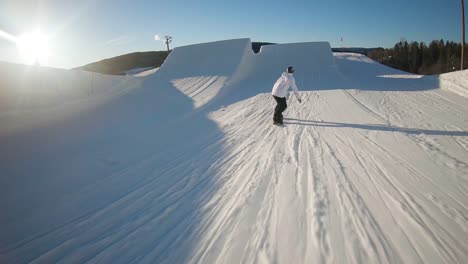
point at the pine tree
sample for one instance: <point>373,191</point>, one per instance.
<point>439,57</point>
<point>442,57</point>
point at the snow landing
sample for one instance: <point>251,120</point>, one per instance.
<point>184,165</point>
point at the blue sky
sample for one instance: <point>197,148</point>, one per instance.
<point>85,31</point>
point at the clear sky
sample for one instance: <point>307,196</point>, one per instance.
<point>84,31</point>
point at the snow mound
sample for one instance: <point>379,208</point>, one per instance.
<point>200,71</point>
<point>146,72</point>
<point>456,82</point>
<point>313,61</point>
<point>138,71</point>
<point>32,96</point>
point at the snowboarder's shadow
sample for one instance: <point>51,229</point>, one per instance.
<point>378,127</point>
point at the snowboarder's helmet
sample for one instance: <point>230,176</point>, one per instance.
<point>290,69</point>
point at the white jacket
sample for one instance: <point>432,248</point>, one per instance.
<point>280,89</point>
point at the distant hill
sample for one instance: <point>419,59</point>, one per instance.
<point>120,65</point>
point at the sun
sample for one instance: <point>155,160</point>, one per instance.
<point>33,48</point>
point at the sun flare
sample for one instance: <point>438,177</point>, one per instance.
<point>33,48</point>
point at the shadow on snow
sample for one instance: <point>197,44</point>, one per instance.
<point>377,127</point>
<point>125,182</point>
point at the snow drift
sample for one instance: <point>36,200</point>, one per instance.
<point>184,166</point>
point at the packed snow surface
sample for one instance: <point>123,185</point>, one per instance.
<point>183,164</point>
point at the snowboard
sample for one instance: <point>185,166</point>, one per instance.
<point>279,125</point>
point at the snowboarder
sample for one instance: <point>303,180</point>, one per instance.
<point>279,91</point>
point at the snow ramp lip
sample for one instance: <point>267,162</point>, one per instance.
<point>218,58</point>
<point>227,57</point>
<point>301,53</point>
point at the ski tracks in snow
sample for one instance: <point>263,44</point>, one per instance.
<point>344,181</point>
<point>321,190</point>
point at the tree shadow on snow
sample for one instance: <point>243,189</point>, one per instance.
<point>378,127</point>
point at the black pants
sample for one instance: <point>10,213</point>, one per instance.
<point>279,109</point>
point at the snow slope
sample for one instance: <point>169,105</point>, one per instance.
<point>140,71</point>
<point>455,82</point>
<point>184,166</point>
<point>32,96</point>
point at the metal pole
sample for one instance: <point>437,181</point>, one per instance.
<point>168,40</point>
<point>463,33</point>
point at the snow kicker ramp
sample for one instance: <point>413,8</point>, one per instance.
<point>184,166</point>
<point>201,71</point>
<point>313,61</point>
<point>231,68</point>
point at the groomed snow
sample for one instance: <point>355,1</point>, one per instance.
<point>140,71</point>
<point>455,82</point>
<point>184,165</point>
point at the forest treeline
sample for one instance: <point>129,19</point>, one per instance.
<point>417,57</point>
